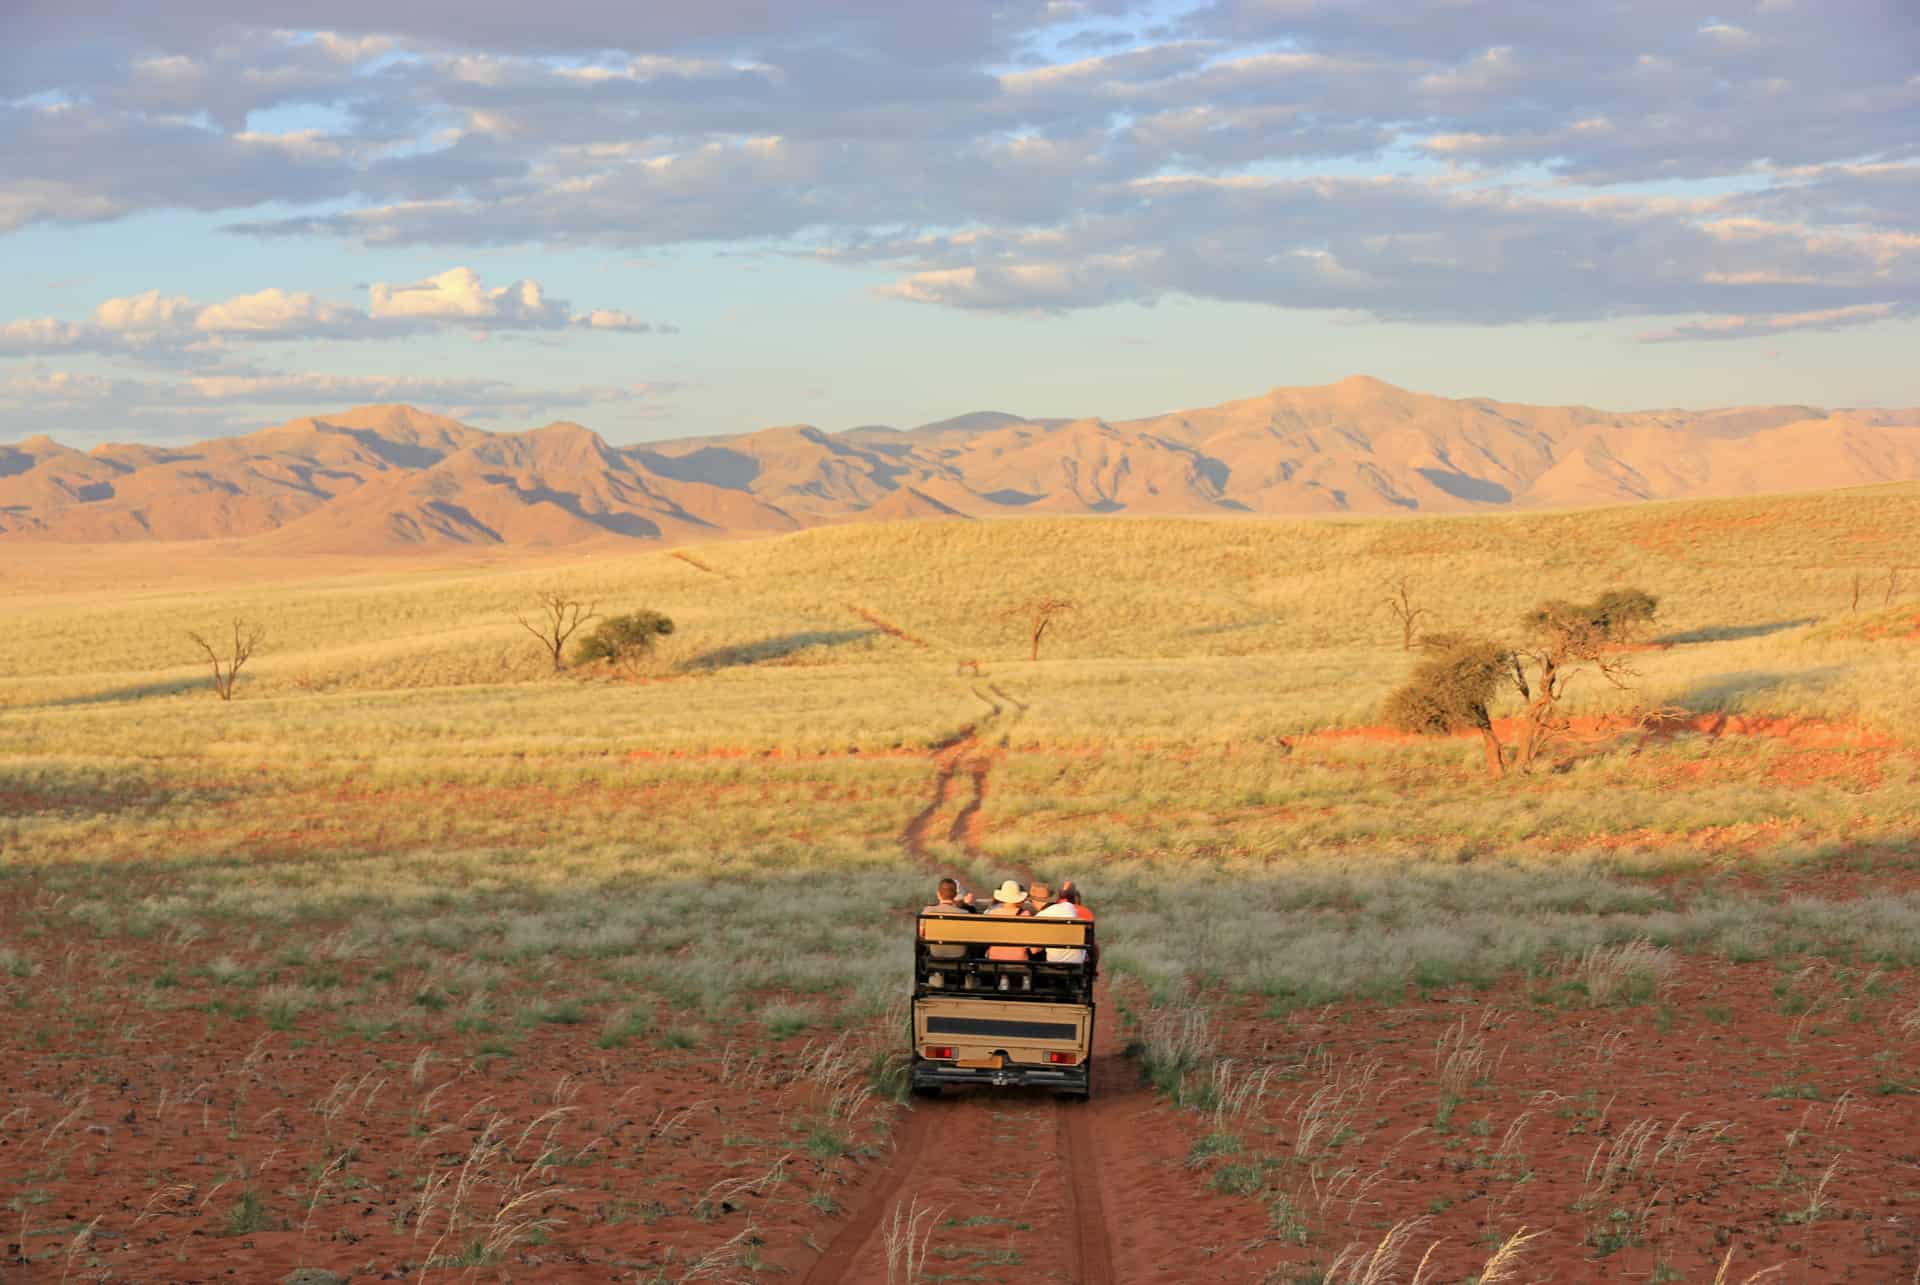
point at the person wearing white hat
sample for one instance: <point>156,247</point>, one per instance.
<point>1008,898</point>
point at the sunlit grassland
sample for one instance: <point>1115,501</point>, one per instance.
<point>400,773</point>
<point>1156,588</point>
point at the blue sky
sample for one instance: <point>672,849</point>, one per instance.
<point>690,218</point>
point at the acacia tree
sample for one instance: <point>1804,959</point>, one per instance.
<point>1451,690</point>
<point>226,665</point>
<point>622,642</point>
<point>1566,637</point>
<point>1400,603</point>
<point>556,617</point>
<point>1039,614</point>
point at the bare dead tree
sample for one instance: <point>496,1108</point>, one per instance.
<point>1400,603</point>
<point>1857,581</point>
<point>1039,614</point>
<point>556,617</point>
<point>1893,586</point>
<point>226,665</point>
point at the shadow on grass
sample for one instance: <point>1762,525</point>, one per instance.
<point>139,691</point>
<point>1733,633</point>
<point>73,792</point>
<point>778,648</point>
<point>1232,627</point>
<point>1722,690</point>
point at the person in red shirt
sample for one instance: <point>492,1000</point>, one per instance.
<point>1071,895</point>
<point>1066,906</point>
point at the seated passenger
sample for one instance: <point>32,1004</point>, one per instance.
<point>947,903</point>
<point>1066,908</point>
<point>1008,899</point>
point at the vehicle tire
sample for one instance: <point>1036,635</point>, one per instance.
<point>1085,1092</point>
<point>926,1090</point>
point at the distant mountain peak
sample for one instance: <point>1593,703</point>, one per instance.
<point>563,430</point>
<point>979,421</point>
<point>1367,384</point>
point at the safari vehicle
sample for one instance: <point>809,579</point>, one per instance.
<point>978,1020</point>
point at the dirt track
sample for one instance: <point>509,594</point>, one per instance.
<point>1014,1183</point>
<point>962,753</point>
<point>1013,1186</point>
<point>1010,1184</point>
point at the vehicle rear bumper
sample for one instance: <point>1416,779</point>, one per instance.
<point>1076,1079</point>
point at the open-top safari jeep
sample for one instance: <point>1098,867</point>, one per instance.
<point>984,1020</point>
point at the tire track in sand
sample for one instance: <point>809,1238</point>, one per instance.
<point>1080,1149</point>
<point>836,1263</point>
<point>959,753</point>
<point>946,1146</point>
<point>948,757</point>
<point>699,565</point>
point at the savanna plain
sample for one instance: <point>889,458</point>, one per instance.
<point>418,959</point>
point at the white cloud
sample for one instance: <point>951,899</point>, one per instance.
<point>40,334</point>
<point>161,327</point>
<point>352,49</point>
<point>854,128</point>
<point>1747,327</point>
<point>458,295</point>
<point>274,311</point>
<point>617,319</point>
<point>1408,251</point>
<point>144,314</point>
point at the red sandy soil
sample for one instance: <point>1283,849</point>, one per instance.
<point>1789,1090</point>
<point>1759,1085</point>
<point>1010,1184</point>
<point>155,1134</point>
<point>1799,732</point>
<point>124,1156</point>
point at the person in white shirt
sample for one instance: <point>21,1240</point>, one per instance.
<point>1063,954</point>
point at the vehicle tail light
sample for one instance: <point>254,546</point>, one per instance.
<point>1063,1059</point>
<point>938,1052</point>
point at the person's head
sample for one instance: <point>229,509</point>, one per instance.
<point>1040,894</point>
<point>948,890</point>
<point>1069,893</point>
<point>1009,894</point>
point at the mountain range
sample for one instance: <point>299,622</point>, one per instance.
<point>393,478</point>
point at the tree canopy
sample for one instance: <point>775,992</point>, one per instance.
<point>622,640</point>
<point>1450,690</point>
<point>1575,631</point>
